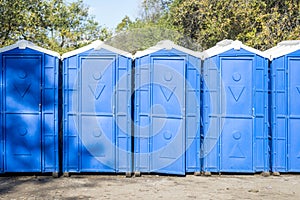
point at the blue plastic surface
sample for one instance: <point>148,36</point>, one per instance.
<point>97,112</point>
<point>235,112</point>
<point>285,72</point>
<point>29,111</point>
<point>167,113</point>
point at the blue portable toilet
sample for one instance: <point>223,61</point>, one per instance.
<point>235,109</point>
<point>29,109</point>
<point>285,119</point>
<point>97,110</point>
<point>167,110</point>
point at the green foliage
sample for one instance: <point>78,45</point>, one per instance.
<point>261,24</point>
<point>257,23</point>
<point>152,26</point>
<point>124,25</point>
<point>52,24</point>
<point>70,26</point>
<point>62,26</point>
<point>21,20</point>
<point>153,10</point>
<point>138,37</point>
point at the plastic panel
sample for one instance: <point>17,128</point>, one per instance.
<point>235,113</point>
<point>22,117</point>
<point>167,113</point>
<point>97,107</point>
<point>29,111</point>
<point>285,113</point>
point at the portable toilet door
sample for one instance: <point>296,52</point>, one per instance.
<point>167,110</point>
<point>285,70</point>
<point>235,109</point>
<point>97,110</point>
<point>29,109</point>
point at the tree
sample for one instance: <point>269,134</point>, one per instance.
<point>70,26</point>
<point>140,38</point>
<point>151,27</point>
<point>260,24</point>
<point>153,10</point>
<point>280,22</point>
<point>124,24</point>
<point>21,20</point>
<point>52,24</point>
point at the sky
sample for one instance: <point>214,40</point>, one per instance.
<point>109,13</point>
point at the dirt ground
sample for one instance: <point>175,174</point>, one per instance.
<point>150,187</point>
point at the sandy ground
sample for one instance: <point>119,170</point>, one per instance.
<point>151,187</point>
